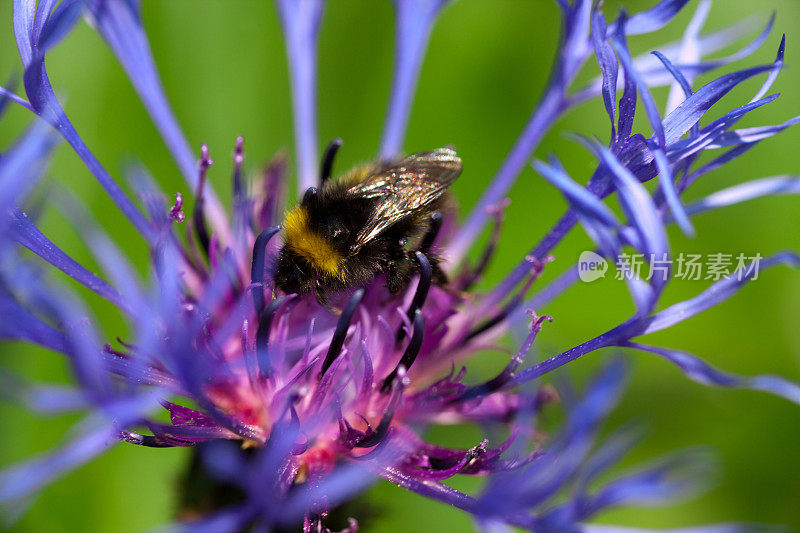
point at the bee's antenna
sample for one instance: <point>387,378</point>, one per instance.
<point>327,159</point>
<point>335,347</point>
<point>412,350</point>
<point>425,276</point>
<point>310,193</point>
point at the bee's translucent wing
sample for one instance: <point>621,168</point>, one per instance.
<point>404,187</point>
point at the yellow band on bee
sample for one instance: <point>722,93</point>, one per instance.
<point>317,251</point>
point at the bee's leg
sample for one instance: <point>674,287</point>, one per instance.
<point>400,271</point>
<point>439,277</point>
<point>324,300</point>
<point>432,233</point>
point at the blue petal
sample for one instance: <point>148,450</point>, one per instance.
<point>635,201</point>
<point>552,104</point>
<point>665,179</point>
<point>777,185</point>
<point>229,519</point>
<point>715,129</point>
<point>119,22</point>
<point>24,479</point>
<point>59,23</point>
<point>22,166</point>
<point>751,135</point>
<point>300,21</point>
<point>698,370</point>
<point>610,453</point>
<point>649,104</point>
<point>25,233</point>
<point>46,105</point>
<point>18,323</point>
<point>690,51</point>
<point>693,108</point>
<point>607,62</point>
<point>654,18</point>
<point>712,528</point>
<point>95,434</point>
<point>669,479</point>
<point>413,22</point>
<point>584,201</point>
<point>715,294</point>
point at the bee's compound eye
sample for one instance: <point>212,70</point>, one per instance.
<point>309,194</point>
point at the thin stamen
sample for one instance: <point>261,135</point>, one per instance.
<point>176,211</point>
<point>327,159</point>
<point>143,440</point>
<point>496,319</point>
<point>262,336</point>
<point>508,372</point>
<point>421,294</point>
<point>377,436</point>
<point>198,217</point>
<point>238,159</point>
<point>258,264</point>
<point>488,252</point>
<point>335,348</point>
<point>536,270</point>
<point>412,350</point>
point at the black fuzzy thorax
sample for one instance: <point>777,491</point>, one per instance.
<point>337,215</point>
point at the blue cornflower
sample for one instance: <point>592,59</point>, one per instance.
<point>323,404</point>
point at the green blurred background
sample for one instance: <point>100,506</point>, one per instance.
<point>224,68</point>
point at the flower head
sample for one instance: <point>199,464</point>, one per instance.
<point>323,404</point>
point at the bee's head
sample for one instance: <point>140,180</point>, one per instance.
<point>292,273</point>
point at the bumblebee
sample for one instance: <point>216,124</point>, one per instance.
<point>371,221</point>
